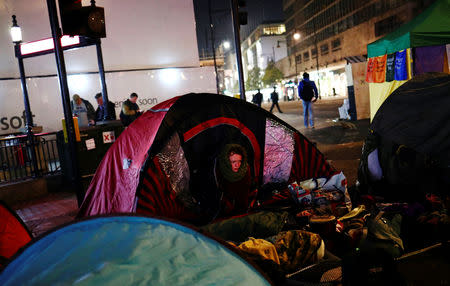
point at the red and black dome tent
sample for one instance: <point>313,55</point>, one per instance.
<point>163,163</point>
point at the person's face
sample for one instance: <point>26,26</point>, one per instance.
<point>236,161</point>
<point>100,101</point>
<point>133,99</point>
<point>78,101</point>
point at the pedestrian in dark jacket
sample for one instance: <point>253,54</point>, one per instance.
<point>257,98</point>
<point>274,98</point>
<point>307,91</point>
<point>130,110</point>
<point>100,112</point>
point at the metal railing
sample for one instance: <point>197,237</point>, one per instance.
<point>16,160</point>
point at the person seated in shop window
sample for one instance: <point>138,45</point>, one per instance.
<point>100,112</point>
<point>83,110</point>
<point>130,110</point>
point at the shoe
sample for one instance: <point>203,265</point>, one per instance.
<point>312,127</point>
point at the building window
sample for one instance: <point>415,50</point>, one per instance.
<point>306,56</point>
<point>313,53</point>
<point>298,59</point>
<point>274,30</point>
<point>386,25</point>
<point>336,44</point>
<point>324,49</point>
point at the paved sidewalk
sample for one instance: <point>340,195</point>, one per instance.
<point>45,213</point>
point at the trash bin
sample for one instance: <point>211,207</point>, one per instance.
<point>93,145</point>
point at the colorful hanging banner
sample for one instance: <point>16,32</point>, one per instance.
<point>390,67</point>
<point>380,69</point>
<point>429,59</point>
<point>401,72</point>
<point>409,63</point>
<point>369,73</point>
<point>376,69</point>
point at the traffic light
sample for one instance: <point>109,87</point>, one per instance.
<point>86,21</point>
<point>68,10</point>
<point>243,15</point>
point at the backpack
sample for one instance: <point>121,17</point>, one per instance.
<point>307,91</point>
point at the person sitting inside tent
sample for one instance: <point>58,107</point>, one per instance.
<point>234,179</point>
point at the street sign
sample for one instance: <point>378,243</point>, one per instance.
<point>47,45</point>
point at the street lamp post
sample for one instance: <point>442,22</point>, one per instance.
<point>63,85</point>
<point>101,68</point>
<point>237,45</point>
<point>317,56</point>
<point>211,27</point>
<point>16,35</point>
<point>296,71</point>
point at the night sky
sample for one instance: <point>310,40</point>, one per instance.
<point>259,11</point>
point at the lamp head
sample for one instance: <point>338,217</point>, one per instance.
<point>16,32</point>
<point>226,45</point>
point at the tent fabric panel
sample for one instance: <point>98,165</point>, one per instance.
<point>278,153</point>
<point>129,251</point>
<point>113,187</point>
<point>232,122</point>
<point>156,197</point>
<point>417,115</point>
<point>379,92</point>
<point>434,26</point>
<point>308,162</point>
<point>388,45</point>
<point>430,39</point>
<point>176,167</point>
<point>13,232</point>
<point>185,116</point>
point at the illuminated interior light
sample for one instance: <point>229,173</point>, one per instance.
<point>78,83</point>
<point>47,44</point>
<point>169,76</point>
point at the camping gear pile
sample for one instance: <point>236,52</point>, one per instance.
<point>404,172</point>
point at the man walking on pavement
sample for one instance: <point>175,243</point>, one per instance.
<point>307,91</point>
<point>274,98</point>
<point>257,98</point>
